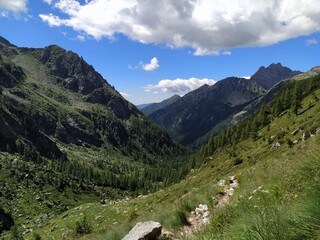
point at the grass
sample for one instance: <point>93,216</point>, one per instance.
<point>285,206</point>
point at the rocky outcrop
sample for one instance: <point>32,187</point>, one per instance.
<point>144,231</point>
<point>268,77</point>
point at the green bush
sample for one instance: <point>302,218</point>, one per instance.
<point>83,226</point>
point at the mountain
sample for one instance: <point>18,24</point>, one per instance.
<point>141,106</point>
<point>259,178</point>
<point>149,109</point>
<point>68,137</point>
<point>194,115</point>
<point>268,77</point>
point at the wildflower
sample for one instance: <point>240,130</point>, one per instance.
<point>296,195</point>
<point>255,206</point>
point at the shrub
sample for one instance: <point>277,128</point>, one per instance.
<point>83,226</point>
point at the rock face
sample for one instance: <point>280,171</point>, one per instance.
<point>144,231</point>
<point>268,77</point>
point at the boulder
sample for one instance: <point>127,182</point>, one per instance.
<point>144,231</point>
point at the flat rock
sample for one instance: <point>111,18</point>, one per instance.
<point>144,231</point>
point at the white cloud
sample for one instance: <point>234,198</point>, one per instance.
<point>153,65</point>
<point>311,41</point>
<point>208,26</point>
<point>48,1</point>
<point>179,85</point>
<point>14,6</point>
<point>52,20</point>
<point>246,77</point>
<point>124,94</point>
<point>81,38</point>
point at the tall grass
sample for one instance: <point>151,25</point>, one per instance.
<point>287,207</point>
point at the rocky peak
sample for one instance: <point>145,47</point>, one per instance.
<point>274,73</point>
<point>70,69</point>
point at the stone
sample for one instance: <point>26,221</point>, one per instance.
<point>232,178</point>
<point>167,235</point>
<point>204,207</point>
<point>144,230</point>
<point>234,185</point>
<point>276,145</point>
<point>206,214</point>
<point>222,182</point>
<point>296,131</point>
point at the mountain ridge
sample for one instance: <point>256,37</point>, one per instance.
<point>54,105</point>
<point>152,107</point>
<point>231,94</point>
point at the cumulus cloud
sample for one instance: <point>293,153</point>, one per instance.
<point>210,27</point>
<point>179,85</point>
<point>52,20</point>
<point>311,41</point>
<point>153,65</point>
<point>16,6</point>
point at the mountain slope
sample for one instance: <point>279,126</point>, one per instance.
<point>67,137</point>
<point>54,74</point>
<point>190,118</point>
<point>277,196</point>
<point>193,115</point>
<point>149,109</point>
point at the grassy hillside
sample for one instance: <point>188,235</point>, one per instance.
<point>67,137</point>
<point>277,197</point>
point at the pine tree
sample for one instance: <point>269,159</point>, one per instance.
<point>296,102</point>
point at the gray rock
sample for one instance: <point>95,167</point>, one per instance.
<point>296,131</point>
<point>144,230</point>
<point>167,235</point>
<point>276,145</point>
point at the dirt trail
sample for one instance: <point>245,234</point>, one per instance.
<point>200,217</point>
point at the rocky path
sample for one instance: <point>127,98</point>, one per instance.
<point>197,219</point>
<point>201,215</point>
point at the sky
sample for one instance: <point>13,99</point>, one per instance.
<point>150,50</point>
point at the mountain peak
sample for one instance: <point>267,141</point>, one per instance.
<point>267,77</point>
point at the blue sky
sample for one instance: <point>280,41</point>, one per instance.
<point>150,50</point>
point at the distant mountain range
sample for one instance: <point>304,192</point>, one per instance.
<point>191,117</point>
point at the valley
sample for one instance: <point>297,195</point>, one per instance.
<point>78,161</point>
